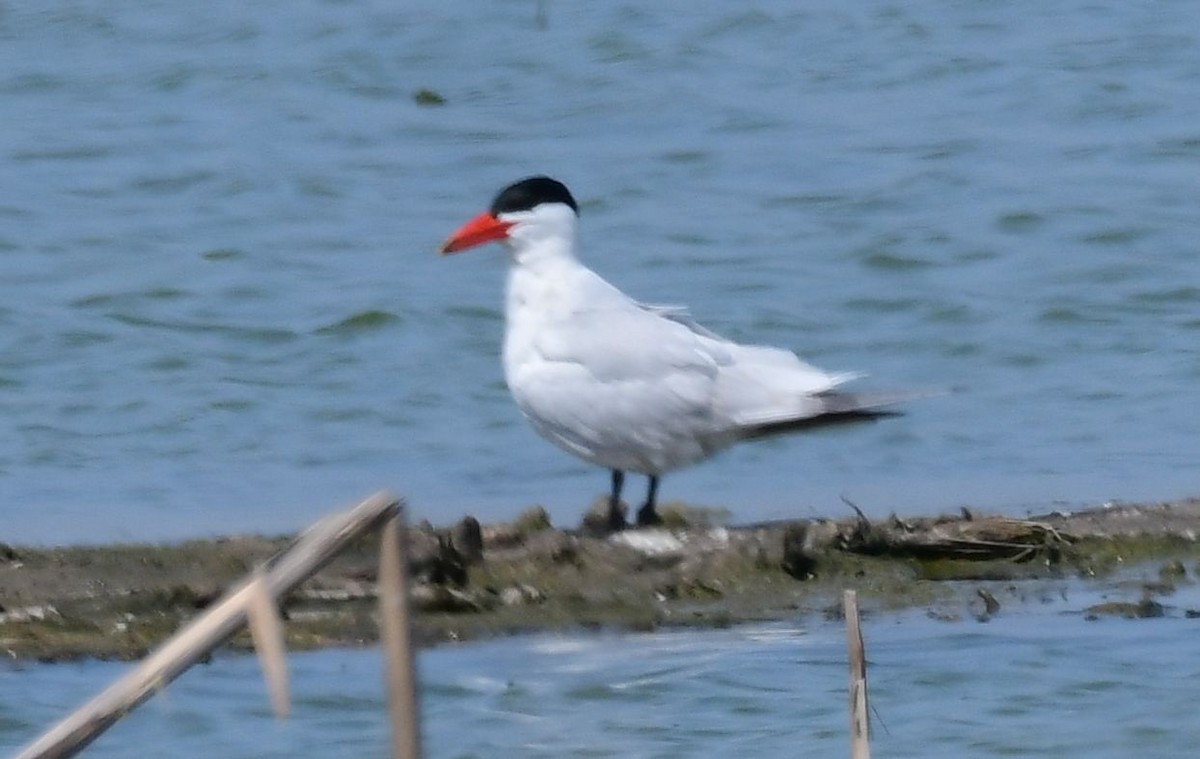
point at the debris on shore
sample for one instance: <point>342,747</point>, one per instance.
<point>473,580</point>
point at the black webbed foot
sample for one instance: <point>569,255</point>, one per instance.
<point>647,516</point>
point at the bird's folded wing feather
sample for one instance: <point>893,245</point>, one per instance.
<point>667,365</point>
<point>610,379</point>
<point>681,315</point>
<point>624,345</point>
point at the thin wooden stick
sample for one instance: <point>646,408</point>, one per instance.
<point>396,635</point>
<point>266,630</point>
<point>311,551</point>
<point>860,746</point>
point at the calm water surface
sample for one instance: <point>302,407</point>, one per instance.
<point>1040,682</point>
<point>222,311</point>
<point>222,308</point>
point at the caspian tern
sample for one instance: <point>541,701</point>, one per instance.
<point>625,385</point>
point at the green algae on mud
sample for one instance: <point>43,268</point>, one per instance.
<point>120,601</point>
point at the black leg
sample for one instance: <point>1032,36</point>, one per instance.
<point>648,515</point>
<point>616,520</point>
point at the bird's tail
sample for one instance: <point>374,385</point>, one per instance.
<point>835,408</point>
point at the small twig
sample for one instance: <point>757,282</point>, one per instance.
<point>862,518</point>
<point>400,669</point>
<point>266,631</point>
<point>860,727</point>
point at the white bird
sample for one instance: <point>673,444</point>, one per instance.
<point>628,386</point>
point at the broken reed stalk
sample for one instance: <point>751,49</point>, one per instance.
<point>266,631</point>
<point>311,551</point>
<point>860,746</point>
<point>396,640</point>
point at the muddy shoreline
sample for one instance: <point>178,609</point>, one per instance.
<point>473,581</point>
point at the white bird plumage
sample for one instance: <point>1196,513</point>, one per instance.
<point>624,385</point>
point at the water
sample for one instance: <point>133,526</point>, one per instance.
<point>222,309</point>
<point>1040,682</point>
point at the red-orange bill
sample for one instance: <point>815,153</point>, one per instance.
<point>482,229</point>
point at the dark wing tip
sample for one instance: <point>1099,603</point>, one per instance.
<point>840,408</point>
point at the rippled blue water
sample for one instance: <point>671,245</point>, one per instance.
<point>222,309</point>
<point>1040,682</point>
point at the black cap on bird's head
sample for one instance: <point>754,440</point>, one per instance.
<point>519,197</point>
<point>529,193</point>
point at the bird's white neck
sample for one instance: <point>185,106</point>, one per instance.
<point>541,246</point>
<point>547,254</point>
<point>542,236</point>
<point>541,277</point>
<point>543,282</point>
